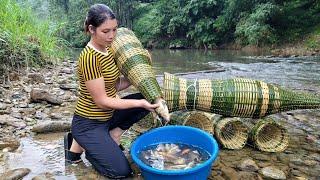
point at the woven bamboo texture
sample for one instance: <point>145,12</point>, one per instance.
<point>134,63</point>
<point>195,119</point>
<point>231,133</point>
<point>233,97</point>
<point>269,136</point>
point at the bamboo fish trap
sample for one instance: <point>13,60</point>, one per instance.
<point>233,97</point>
<point>196,119</point>
<point>269,136</point>
<point>230,132</point>
<point>134,62</point>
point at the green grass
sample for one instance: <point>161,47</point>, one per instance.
<point>313,41</point>
<point>25,40</point>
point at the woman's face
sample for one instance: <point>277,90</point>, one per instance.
<point>105,33</point>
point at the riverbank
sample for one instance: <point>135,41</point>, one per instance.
<point>308,45</point>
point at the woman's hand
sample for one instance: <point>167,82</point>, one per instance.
<point>146,105</point>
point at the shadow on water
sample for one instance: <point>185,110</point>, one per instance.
<point>44,153</point>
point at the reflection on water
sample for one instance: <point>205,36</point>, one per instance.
<point>42,153</point>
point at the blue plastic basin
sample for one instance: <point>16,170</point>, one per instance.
<point>176,134</point>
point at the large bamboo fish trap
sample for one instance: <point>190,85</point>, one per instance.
<point>134,63</point>
<point>269,136</point>
<point>231,133</point>
<point>233,97</point>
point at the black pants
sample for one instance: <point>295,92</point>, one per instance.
<point>100,149</point>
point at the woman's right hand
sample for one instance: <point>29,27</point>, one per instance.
<point>146,105</point>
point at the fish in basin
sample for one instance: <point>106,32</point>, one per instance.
<point>173,156</point>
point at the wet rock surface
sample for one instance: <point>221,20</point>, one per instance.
<point>15,174</point>
<point>26,128</point>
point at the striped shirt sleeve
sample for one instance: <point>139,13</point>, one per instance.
<point>90,67</point>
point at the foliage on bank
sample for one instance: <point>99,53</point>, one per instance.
<point>24,39</point>
<point>198,23</point>
<point>33,32</point>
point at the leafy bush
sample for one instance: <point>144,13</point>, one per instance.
<point>25,40</point>
<point>254,29</point>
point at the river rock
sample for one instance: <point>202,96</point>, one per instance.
<point>263,164</point>
<point>228,172</point>
<point>297,173</point>
<point>39,95</point>
<point>14,76</point>
<point>310,162</point>
<point>36,78</point>
<point>56,116</point>
<point>272,173</point>
<point>52,126</point>
<point>284,158</point>
<point>299,178</point>
<point>296,161</point>
<point>3,106</point>
<point>15,174</point>
<point>11,121</point>
<point>68,86</point>
<point>66,71</point>
<point>248,165</point>
<point>8,142</point>
<point>310,148</point>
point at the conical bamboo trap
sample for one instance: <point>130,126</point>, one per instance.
<point>233,97</point>
<point>134,62</point>
<point>231,133</point>
<point>270,136</point>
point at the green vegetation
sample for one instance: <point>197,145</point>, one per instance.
<point>313,41</point>
<point>197,23</point>
<point>34,32</point>
<point>25,40</point>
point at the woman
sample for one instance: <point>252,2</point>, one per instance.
<point>100,117</point>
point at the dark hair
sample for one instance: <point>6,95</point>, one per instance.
<point>97,14</point>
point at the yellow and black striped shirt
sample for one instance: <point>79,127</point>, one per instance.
<point>93,64</point>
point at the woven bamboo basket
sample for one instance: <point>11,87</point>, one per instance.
<point>134,62</point>
<point>233,97</point>
<point>196,119</point>
<point>231,133</point>
<point>269,136</point>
